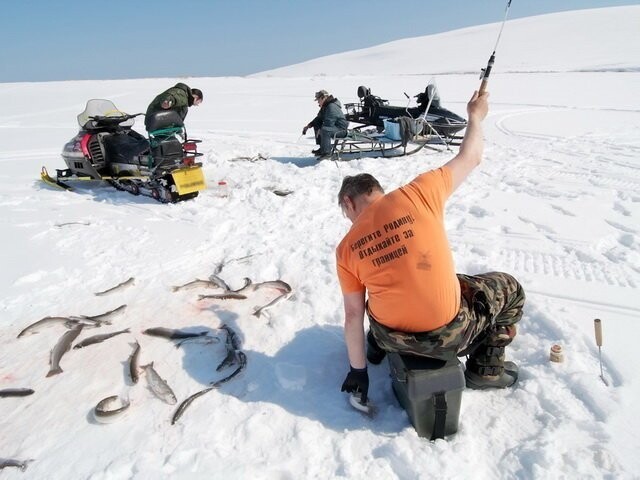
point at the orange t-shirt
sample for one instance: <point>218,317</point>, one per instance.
<point>397,250</point>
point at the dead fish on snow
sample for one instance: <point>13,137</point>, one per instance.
<point>230,359</point>
<point>46,321</point>
<point>99,338</point>
<point>185,403</point>
<point>242,363</point>
<point>203,339</point>
<point>62,347</point>
<point>133,362</point>
<point>120,286</point>
<point>98,320</point>
<point>197,283</point>
<point>15,392</point>
<point>220,282</point>
<point>233,341</point>
<point>159,386</point>
<point>282,287</point>
<point>9,462</point>
<point>110,408</point>
<point>172,334</point>
<point>259,311</point>
<point>223,296</point>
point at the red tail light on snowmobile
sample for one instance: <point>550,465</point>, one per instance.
<point>190,147</point>
<point>188,160</point>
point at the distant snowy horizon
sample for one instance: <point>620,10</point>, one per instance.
<point>555,202</point>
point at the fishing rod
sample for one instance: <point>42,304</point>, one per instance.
<point>485,72</point>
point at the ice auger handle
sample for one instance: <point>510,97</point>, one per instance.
<point>598,326</point>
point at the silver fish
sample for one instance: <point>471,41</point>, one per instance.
<point>220,282</point>
<point>229,360</point>
<point>233,341</point>
<point>242,363</point>
<point>15,392</point>
<point>185,403</point>
<point>223,296</point>
<point>9,462</point>
<point>282,287</point>
<point>259,311</point>
<point>99,338</point>
<point>204,339</point>
<point>110,408</point>
<point>46,321</point>
<point>247,283</point>
<point>120,286</point>
<point>197,283</point>
<point>133,362</point>
<point>62,347</point>
<point>171,333</point>
<point>103,317</point>
<point>159,386</point>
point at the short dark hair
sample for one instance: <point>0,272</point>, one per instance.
<point>198,92</point>
<point>356,185</point>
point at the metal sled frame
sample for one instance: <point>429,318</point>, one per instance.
<point>359,144</point>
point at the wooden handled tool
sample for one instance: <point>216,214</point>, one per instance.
<point>598,328</point>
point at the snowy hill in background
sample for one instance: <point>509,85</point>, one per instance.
<point>556,202</point>
<point>604,39</point>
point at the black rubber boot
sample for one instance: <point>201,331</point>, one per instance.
<point>486,367</point>
<point>375,354</point>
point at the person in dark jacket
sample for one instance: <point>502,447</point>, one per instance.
<point>178,98</point>
<point>329,122</point>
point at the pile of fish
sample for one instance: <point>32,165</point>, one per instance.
<point>113,406</point>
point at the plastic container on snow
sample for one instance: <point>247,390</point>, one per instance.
<point>222,189</point>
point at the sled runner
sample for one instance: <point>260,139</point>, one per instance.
<point>107,149</point>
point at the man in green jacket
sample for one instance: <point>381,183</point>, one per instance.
<point>178,98</point>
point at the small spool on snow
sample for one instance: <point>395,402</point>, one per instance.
<point>556,354</point>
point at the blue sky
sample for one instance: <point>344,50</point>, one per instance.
<point>45,40</point>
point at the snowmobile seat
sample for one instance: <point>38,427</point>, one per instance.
<point>166,119</point>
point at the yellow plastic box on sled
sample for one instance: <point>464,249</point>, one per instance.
<point>188,180</point>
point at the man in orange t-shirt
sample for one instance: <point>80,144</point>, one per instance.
<point>397,254</point>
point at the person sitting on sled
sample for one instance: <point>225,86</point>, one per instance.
<point>177,98</point>
<point>397,252</point>
<point>329,122</point>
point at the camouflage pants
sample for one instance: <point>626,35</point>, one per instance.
<point>488,302</point>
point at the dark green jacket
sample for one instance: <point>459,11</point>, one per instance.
<point>330,115</point>
<point>180,97</point>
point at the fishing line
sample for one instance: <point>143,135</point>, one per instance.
<point>485,72</point>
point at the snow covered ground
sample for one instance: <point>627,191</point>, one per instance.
<point>556,202</point>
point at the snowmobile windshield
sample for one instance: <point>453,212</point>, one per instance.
<point>102,108</point>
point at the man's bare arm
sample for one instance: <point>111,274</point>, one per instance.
<point>470,153</point>
<point>354,308</point>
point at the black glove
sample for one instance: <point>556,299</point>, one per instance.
<point>357,381</point>
<point>304,130</point>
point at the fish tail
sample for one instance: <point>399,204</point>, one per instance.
<point>54,371</point>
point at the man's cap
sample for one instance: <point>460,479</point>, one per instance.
<point>321,94</point>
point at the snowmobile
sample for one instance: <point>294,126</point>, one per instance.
<point>107,148</point>
<point>435,119</point>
